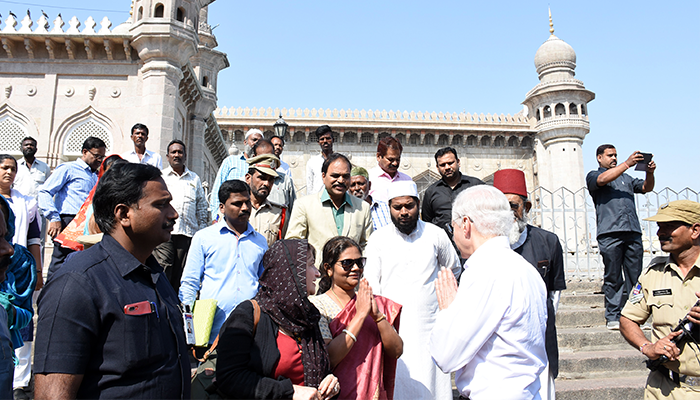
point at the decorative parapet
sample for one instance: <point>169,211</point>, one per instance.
<point>372,115</point>
<point>541,85</point>
<point>41,40</point>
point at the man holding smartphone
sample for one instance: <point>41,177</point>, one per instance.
<point>619,234</point>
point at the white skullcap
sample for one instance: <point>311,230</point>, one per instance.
<point>252,132</point>
<point>402,188</point>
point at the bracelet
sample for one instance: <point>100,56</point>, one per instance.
<point>641,348</point>
<point>626,166</point>
<point>353,337</point>
<point>378,320</point>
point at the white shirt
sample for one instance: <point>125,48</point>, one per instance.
<point>493,333</point>
<point>26,211</point>
<point>403,268</point>
<point>189,201</point>
<point>149,157</point>
<point>314,180</point>
<point>27,181</point>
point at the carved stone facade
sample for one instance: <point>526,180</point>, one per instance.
<point>544,140</point>
<point>158,68</point>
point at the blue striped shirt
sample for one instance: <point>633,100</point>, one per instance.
<point>66,189</point>
<point>233,167</point>
<point>380,214</point>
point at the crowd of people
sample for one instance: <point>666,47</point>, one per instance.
<point>411,288</point>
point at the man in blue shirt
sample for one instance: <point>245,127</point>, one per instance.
<point>619,234</point>
<point>225,259</point>
<point>61,196</point>
<point>234,166</point>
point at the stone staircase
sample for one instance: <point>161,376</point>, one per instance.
<point>594,363</point>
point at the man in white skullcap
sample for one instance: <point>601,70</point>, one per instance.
<point>234,166</point>
<point>403,261</point>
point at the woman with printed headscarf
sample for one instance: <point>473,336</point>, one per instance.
<point>280,354</point>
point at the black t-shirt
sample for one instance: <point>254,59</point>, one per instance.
<point>83,327</point>
<point>438,198</point>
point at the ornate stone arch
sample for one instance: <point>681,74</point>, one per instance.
<point>68,138</point>
<point>14,126</point>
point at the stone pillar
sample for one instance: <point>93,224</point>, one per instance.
<point>161,79</point>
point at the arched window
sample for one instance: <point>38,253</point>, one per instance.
<point>499,142</point>
<point>471,140</point>
<point>559,109</point>
<point>73,144</point>
<point>513,141</point>
<point>180,14</point>
<point>382,135</point>
<point>205,81</point>
<point>457,140</point>
<point>350,137</point>
<point>573,110</point>
<point>486,141</point>
<point>443,140</point>
<point>139,15</point>
<point>547,111</point>
<point>367,138</point>
<point>526,142</point>
<point>583,109</point>
<point>298,136</point>
<point>414,139</point>
<point>537,114</point>
<point>401,138</point>
<point>11,134</point>
<point>159,11</point>
<point>428,140</point>
<point>238,136</point>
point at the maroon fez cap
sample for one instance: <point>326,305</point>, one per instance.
<point>510,181</point>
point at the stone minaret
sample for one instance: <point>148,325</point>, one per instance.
<point>558,111</point>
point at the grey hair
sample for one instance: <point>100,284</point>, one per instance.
<point>487,208</point>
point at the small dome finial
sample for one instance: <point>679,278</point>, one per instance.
<point>551,24</point>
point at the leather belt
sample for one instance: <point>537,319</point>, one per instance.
<point>677,378</point>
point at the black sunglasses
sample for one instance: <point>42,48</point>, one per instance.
<point>349,262</point>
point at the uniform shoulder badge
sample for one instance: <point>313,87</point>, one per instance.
<point>637,294</point>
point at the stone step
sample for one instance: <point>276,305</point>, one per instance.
<point>601,364</point>
<point>580,316</point>
<point>584,286</point>
<point>591,339</point>
<point>625,388</point>
<point>582,299</point>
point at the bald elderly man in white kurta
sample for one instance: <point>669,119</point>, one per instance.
<point>403,261</point>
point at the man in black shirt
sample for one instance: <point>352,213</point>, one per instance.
<point>437,201</point>
<point>109,324</point>
<point>619,234</point>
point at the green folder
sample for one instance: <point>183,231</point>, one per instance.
<point>203,317</point>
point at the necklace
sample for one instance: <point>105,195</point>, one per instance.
<point>340,303</point>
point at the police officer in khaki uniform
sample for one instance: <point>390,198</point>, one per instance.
<point>668,291</point>
<point>267,218</point>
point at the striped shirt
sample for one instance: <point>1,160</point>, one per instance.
<point>380,214</point>
<point>66,189</point>
<point>233,167</point>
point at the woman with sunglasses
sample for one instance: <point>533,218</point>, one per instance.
<point>359,328</point>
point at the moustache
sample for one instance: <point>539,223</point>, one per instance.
<point>664,238</point>
<point>169,224</point>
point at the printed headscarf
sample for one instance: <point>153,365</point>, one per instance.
<point>282,295</point>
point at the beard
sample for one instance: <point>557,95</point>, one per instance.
<point>405,226</point>
<point>248,149</point>
<point>519,226</point>
<point>28,152</point>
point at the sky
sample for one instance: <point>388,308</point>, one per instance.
<point>641,59</point>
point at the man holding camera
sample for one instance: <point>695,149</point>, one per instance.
<point>619,234</point>
<point>668,291</point>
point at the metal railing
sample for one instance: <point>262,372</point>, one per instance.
<point>571,215</point>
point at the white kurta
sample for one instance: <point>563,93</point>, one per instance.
<point>493,333</point>
<point>403,268</point>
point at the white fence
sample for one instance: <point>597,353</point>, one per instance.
<point>571,215</point>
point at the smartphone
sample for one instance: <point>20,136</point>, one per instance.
<point>642,165</point>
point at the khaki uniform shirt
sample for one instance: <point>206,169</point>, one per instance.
<point>269,220</point>
<point>664,294</point>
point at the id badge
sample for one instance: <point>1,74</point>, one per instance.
<point>189,326</point>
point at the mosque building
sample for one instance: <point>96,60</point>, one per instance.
<point>61,82</point>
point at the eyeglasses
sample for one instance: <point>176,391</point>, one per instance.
<point>97,156</point>
<point>349,262</point>
<point>514,206</point>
